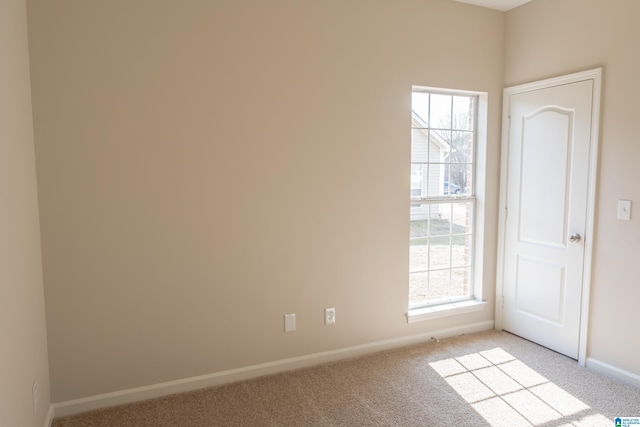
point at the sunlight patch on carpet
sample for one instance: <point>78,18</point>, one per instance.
<point>506,392</point>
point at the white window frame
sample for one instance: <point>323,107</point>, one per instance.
<point>475,302</point>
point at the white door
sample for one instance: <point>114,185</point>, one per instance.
<point>547,199</point>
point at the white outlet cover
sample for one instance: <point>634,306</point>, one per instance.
<point>330,316</point>
<point>289,322</point>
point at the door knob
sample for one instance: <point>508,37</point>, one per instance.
<point>575,237</point>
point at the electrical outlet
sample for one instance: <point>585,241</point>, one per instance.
<point>289,322</point>
<point>330,316</point>
<point>34,395</point>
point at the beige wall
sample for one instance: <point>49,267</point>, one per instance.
<point>552,37</point>
<point>207,166</point>
<point>23,340</point>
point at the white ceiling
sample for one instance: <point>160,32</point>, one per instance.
<point>502,5</point>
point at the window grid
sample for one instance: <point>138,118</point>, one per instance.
<point>437,274</point>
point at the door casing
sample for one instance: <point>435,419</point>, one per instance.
<point>596,76</point>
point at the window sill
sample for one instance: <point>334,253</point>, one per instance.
<point>444,310</point>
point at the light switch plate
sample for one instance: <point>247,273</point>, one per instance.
<point>624,209</point>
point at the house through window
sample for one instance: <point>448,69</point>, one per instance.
<point>442,197</point>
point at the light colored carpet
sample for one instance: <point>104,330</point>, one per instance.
<point>490,378</point>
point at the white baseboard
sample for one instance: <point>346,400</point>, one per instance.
<point>49,419</point>
<point>77,406</point>
<point>613,372</point>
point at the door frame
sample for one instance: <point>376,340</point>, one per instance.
<point>596,76</point>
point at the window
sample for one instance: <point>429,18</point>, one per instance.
<point>442,197</point>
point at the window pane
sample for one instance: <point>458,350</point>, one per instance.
<point>435,183</point>
<point>420,105</point>
<point>463,112</point>
<point>461,147</point>
<point>465,174</point>
<point>460,282</point>
<point>419,255</point>
<point>419,220</point>
<point>462,218</point>
<point>439,252</point>
<point>455,177</point>
<point>440,219</point>
<point>419,145</point>
<point>442,139</point>
<point>439,285</point>
<point>419,239</point>
<point>418,286</point>
<point>460,251</point>
<point>440,113</point>
<point>418,180</point>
